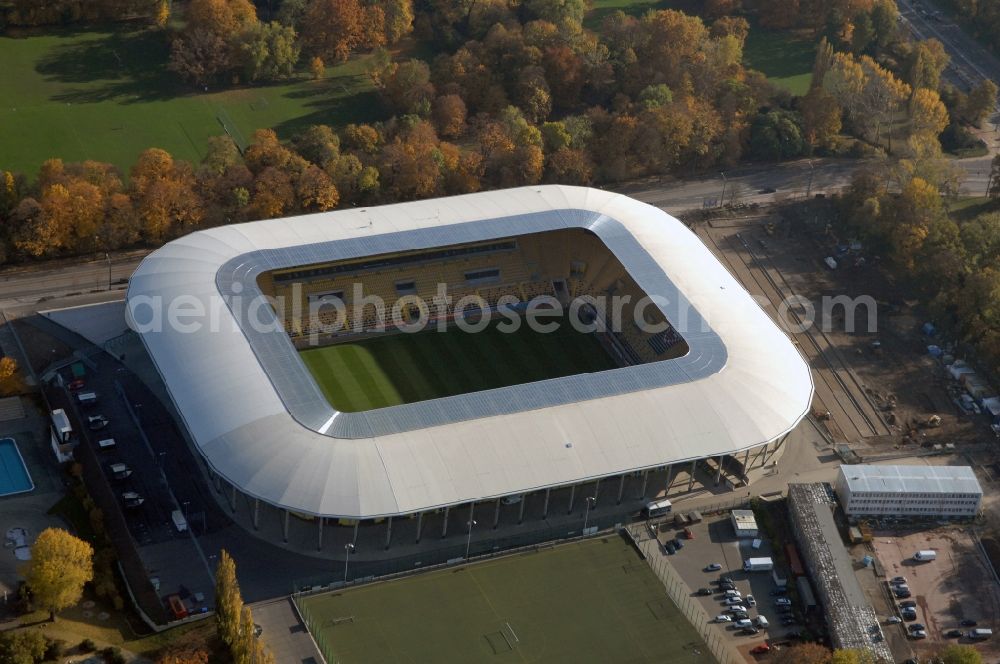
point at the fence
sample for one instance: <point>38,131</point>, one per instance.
<point>680,593</point>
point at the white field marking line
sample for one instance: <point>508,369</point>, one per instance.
<point>512,632</point>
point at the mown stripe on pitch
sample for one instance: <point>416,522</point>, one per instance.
<point>376,385</point>
<point>398,365</point>
<point>464,367</point>
<point>427,368</point>
<point>336,379</point>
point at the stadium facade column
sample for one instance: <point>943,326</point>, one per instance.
<point>645,478</point>
<point>284,527</point>
<point>756,457</point>
<point>388,532</point>
<point>670,480</point>
<point>354,538</point>
<point>256,513</point>
<point>520,510</point>
<point>718,475</point>
<point>746,457</point>
<point>781,441</point>
<point>691,481</point>
<point>621,489</point>
<point>496,515</point>
<point>545,508</point>
<point>420,525</point>
<point>597,488</point>
<point>444,528</point>
<point>319,534</point>
<point>232,499</point>
<point>572,495</point>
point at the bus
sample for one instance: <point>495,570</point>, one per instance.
<point>657,508</point>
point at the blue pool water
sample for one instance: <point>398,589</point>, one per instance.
<point>14,476</point>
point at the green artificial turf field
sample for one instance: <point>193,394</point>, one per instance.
<point>403,368</point>
<point>592,601</point>
<point>105,94</point>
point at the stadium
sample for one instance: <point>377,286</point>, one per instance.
<point>363,365</point>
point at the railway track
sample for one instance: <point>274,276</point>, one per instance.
<point>837,389</point>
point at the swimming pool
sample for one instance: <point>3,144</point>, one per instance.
<point>14,477</point>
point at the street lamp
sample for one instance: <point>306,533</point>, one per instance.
<point>347,558</point>
<point>590,503</point>
<point>468,541</point>
<point>722,200</point>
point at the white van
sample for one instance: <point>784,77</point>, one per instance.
<point>924,556</point>
<point>980,634</point>
<point>120,471</point>
<point>86,398</point>
<point>179,521</point>
<point>657,508</point>
<point>106,444</point>
<point>762,622</point>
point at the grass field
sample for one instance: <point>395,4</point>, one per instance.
<point>105,94</point>
<point>785,59</point>
<point>593,601</point>
<point>403,368</point>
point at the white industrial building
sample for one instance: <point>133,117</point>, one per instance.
<point>744,523</point>
<point>910,491</point>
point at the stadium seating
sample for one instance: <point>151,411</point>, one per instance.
<point>525,267</point>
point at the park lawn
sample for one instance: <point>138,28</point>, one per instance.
<point>967,209</point>
<point>105,94</point>
<point>599,9</point>
<point>783,57</point>
<point>592,601</point>
<point>401,368</point>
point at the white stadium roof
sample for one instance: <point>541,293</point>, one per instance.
<point>260,421</point>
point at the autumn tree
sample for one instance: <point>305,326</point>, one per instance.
<point>60,565</point>
<point>11,381</point>
<point>318,144</point>
<point>208,46</point>
<point>164,195</point>
<point>449,113</point>
<point>183,654</point>
<point>993,188</point>
<point>925,64</point>
<point>331,29</point>
<point>927,112</point>
<point>406,87</point>
<point>398,19</point>
<point>802,653</point>
<point>228,600</point>
<point>960,654</point>
<point>558,11</point>
<point>317,68</point>
<point>980,102</point>
<point>248,648</point>
<point>569,166</point>
<point>821,117</point>
<point>25,646</point>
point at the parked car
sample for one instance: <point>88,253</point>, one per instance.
<point>75,385</point>
<point>898,579</point>
<point>750,631</point>
<point>723,618</point>
<point>893,620</point>
<point>917,627</point>
<point>908,604</point>
<point>760,650</point>
<point>688,534</point>
<point>954,633</point>
<point>740,615</point>
<point>903,594</point>
<point>132,499</point>
<point>727,586</point>
<point>968,623</point>
<point>783,601</point>
<point>713,567</point>
<point>733,601</point>
<point>737,608</point>
<point>918,634</point>
<point>725,579</point>
<point>704,592</point>
<point>784,610</point>
<point>751,601</point>
<point>678,543</point>
<point>788,621</point>
<point>670,548</point>
<point>779,591</point>
<point>733,593</point>
<point>96,422</point>
<point>743,623</point>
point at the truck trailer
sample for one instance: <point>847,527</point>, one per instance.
<point>758,565</point>
<point>924,556</point>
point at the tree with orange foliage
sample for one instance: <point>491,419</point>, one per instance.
<point>333,28</point>
<point>11,382</point>
<point>449,113</point>
<point>184,655</point>
<point>163,192</point>
<point>569,166</point>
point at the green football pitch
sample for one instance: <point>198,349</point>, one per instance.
<point>403,368</point>
<point>105,93</point>
<point>592,601</point>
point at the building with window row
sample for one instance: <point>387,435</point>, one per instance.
<point>950,492</point>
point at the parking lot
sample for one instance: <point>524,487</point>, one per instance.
<point>715,542</point>
<point>956,586</point>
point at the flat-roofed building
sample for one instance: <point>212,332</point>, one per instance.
<point>744,523</point>
<point>951,492</point>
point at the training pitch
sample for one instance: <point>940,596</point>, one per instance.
<point>592,601</point>
<point>403,368</point>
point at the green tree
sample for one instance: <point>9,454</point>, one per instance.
<point>558,11</point>
<point>25,646</point>
<point>958,654</point>
<point>655,96</point>
<point>980,102</point>
<point>776,135</point>
<point>268,51</point>
<point>60,565</point>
